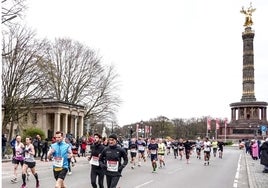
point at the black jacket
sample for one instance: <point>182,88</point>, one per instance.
<point>264,153</point>
<point>96,150</point>
<point>113,154</point>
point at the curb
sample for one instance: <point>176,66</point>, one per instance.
<point>250,181</point>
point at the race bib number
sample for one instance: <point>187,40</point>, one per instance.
<point>133,150</point>
<point>153,151</point>
<point>112,166</point>
<point>94,161</point>
<point>207,149</point>
<point>141,148</point>
<point>175,147</point>
<point>58,161</point>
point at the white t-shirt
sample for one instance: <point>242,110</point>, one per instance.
<point>207,145</point>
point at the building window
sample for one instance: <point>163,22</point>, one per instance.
<point>34,118</point>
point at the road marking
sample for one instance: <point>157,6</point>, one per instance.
<point>173,171</point>
<point>237,172</point>
<point>146,183</point>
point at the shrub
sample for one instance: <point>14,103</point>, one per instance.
<point>32,132</point>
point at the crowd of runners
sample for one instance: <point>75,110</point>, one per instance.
<point>109,156</point>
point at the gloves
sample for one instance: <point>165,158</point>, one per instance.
<point>120,168</point>
<point>104,167</point>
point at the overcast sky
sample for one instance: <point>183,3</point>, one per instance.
<point>176,58</point>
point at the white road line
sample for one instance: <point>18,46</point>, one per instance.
<point>175,170</point>
<point>237,172</point>
<point>146,183</point>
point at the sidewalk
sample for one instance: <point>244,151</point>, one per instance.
<point>256,178</point>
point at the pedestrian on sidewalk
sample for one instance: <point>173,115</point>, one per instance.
<point>264,155</point>
<point>4,145</point>
<point>255,150</point>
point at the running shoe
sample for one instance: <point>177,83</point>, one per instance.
<point>208,162</point>
<point>23,186</point>
<point>37,184</point>
<point>14,180</point>
<point>70,173</point>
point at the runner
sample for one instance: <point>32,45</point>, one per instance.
<point>133,152</point>
<point>198,146</point>
<point>60,152</point>
<point>67,141</point>
<point>18,158</point>
<point>181,148</point>
<point>110,161</point>
<point>152,150</point>
<point>168,145</point>
<point>214,144</point>
<point>220,145</point>
<point>141,149</point>
<point>75,146</point>
<point>188,149</point>
<point>29,162</point>
<point>96,148</point>
<point>161,153</point>
<point>207,150</point>
<point>175,145</point>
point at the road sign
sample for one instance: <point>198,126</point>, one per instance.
<point>263,128</point>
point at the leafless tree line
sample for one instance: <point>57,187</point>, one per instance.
<point>62,69</point>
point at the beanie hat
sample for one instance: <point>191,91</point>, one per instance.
<point>113,136</point>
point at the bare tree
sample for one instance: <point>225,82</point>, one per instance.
<point>12,9</point>
<point>21,54</point>
<point>74,74</point>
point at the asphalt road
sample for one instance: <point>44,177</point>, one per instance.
<point>228,172</point>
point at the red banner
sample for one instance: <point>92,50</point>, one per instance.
<point>217,123</point>
<point>208,123</point>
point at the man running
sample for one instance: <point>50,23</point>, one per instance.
<point>207,150</point>
<point>141,149</point>
<point>188,149</point>
<point>152,150</point>
<point>220,146</point>
<point>60,151</point>
<point>198,147</point>
<point>29,162</point>
<point>161,153</point>
<point>214,145</point>
<point>133,152</point>
<point>181,148</point>
<point>96,148</point>
<point>110,161</point>
<point>174,146</point>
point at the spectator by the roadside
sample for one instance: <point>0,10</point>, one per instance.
<point>4,145</point>
<point>255,150</point>
<point>264,155</point>
<point>12,144</point>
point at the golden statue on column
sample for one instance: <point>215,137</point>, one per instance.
<point>248,13</point>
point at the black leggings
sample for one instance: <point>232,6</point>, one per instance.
<point>94,173</point>
<point>112,181</point>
